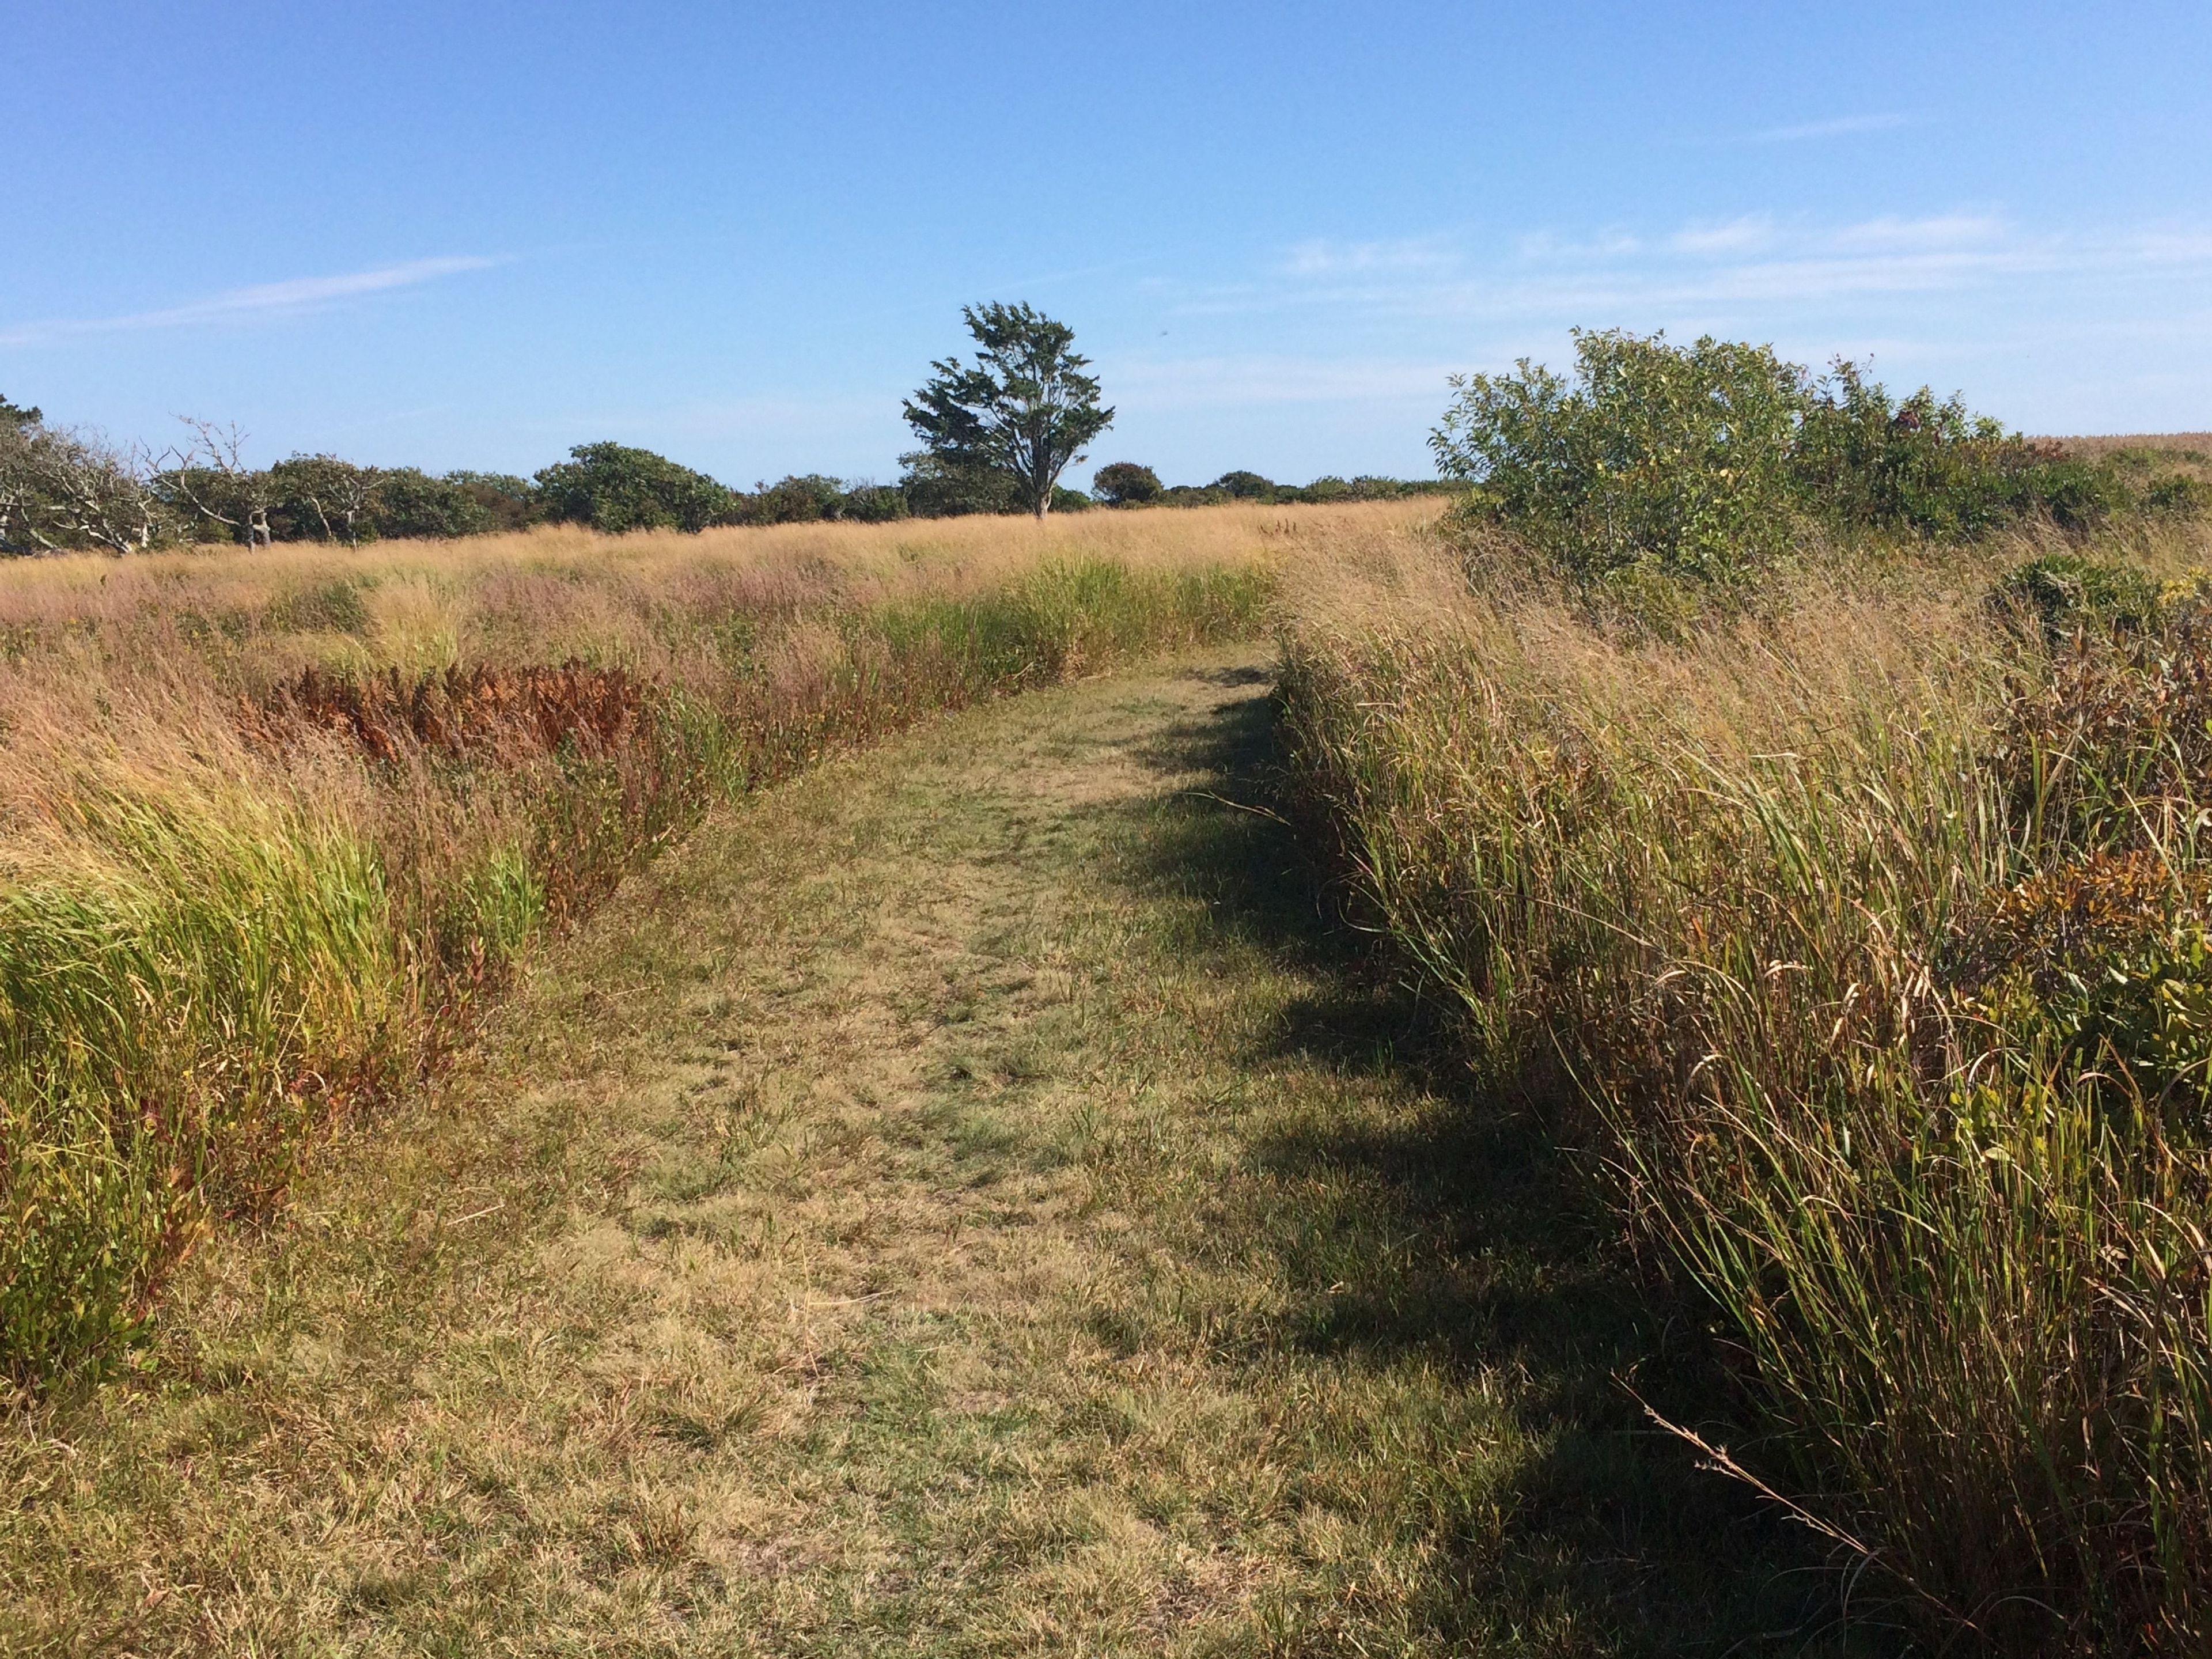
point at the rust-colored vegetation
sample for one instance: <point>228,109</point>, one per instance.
<point>484,711</point>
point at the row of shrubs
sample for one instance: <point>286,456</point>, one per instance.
<point>1714,460</point>
<point>61,491</point>
<point>1125,483</point>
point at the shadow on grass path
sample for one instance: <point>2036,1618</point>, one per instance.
<point>971,1200</point>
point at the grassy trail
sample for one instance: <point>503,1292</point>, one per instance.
<point>962,1202</point>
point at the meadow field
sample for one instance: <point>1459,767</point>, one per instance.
<point>270,819</point>
<point>1651,1115</point>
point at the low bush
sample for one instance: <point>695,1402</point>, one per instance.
<point>2065,593</point>
<point>61,492</point>
<point>937,488</point>
<point>1125,483</point>
<point>1929,468</point>
<point>1712,461</point>
<point>1654,455</point>
<point>613,488</point>
<point>1245,486</point>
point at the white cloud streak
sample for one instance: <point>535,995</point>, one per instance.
<point>1323,257</point>
<point>1758,268</point>
<point>262,300</point>
<point>1932,293</point>
<point>1753,234</point>
<point>1842,126</point>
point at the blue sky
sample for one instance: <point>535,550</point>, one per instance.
<point>472,235</point>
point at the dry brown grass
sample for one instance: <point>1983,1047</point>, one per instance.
<point>483,737</point>
<point>559,591</point>
<point>2195,444</point>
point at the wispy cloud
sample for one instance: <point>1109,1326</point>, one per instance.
<point>1550,245</point>
<point>1323,257</point>
<point>1841,126</point>
<point>1933,233</point>
<point>1753,234</point>
<point>1751,268</point>
<point>302,294</point>
<point>2174,246</point>
<point>2049,322</point>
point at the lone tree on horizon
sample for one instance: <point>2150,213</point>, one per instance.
<point>1025,409</point>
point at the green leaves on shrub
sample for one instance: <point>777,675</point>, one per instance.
<point>614,488</point>
<point>2064,593</point>
<point>1700,461</point>
<point>1931,468</point>
<point>1126,483</point>
<point>1654,455</point>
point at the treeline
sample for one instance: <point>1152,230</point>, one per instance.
<point>1125,483</point>
<point>64,490</point>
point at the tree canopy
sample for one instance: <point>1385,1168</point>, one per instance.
<point>1126,483</point>
<point>1024,410</point>
<point>614,488</point>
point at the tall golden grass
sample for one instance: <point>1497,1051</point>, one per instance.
<point>268,820</point>
<point>1867,940</point>
<point>2165,443</point>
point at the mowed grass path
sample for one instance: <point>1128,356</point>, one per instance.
<point>967,1202</point>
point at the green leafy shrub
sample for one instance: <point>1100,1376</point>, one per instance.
<point>1654,455</point>
<point>1930,468</point>
<point>807,498</point>
<point>2178,497</point>
<point>873,504</point>
<point>411,504</point>
<point>1125,483</point>
<point>2064,592</point>
<point>614,488</point>
<point>1701,461</point>
<point>321,498</point>
<point>1194,495</point>
<point>1244,486</point>
<point>2103,962</point>
<point>936,487</point>
<point>501,500</point>
<point>797,499</point>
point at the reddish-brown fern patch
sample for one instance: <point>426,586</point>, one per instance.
<point>481,712</point>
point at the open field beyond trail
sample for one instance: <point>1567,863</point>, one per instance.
<point>964,1200</point>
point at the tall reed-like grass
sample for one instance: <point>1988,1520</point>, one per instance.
<point>269,820</point>
<point>1866,939</point>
